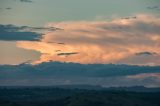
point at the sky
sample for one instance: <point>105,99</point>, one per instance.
<point>80,31</point>
<point>94,37</point>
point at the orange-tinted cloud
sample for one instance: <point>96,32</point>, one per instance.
<point>114,41</point>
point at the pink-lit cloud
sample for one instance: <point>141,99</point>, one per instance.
<point>115,41</point>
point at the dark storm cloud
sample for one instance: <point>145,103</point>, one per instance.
<point>146,53</point>
<point>14,33</point>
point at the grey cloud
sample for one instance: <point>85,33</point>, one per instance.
<point>28,28</point>
<point>127,18</point>
<point>8,8</point>
<point>75,69</point>
<point>153,7</point>
<point>67,54</point>
<point>14,33</point>
<point>61,43</point>
<point>53,73</point>
<point>146,53</point>
<point>28,1</point>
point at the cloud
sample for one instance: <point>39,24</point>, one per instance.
<point>127,18</point>
<point>115,41</point>
<point>42,29</point>
<point>146,53</point>
<point>144,75</point>
<point>8,8</point>
<point>148,79</point>
<point>27,1</point>
<point>148,58</point>
<point>153,7</point>
<point>67,54</point>
<point>13,33</point>
<point>23,33</point>
<point>55,73</point>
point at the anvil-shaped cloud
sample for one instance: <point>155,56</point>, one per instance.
<point>115,41</point>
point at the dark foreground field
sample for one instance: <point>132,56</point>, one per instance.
<point>44,96</point>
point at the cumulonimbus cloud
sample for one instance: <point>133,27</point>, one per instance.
<point>115,41</point>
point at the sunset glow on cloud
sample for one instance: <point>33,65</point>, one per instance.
<point>116,41</point>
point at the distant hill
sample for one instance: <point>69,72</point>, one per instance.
<point>89,87</point>
<point>48,96</point>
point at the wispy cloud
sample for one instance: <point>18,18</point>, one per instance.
<point>144,75</point>
<point>67,54</point>
<point>153,7</point>
<point>148,79</point>
<point>8,8</point>
<point>28,1</point>
<point>115,41</point>
<point>146,53</point>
